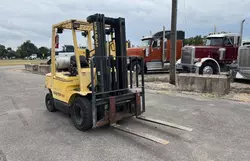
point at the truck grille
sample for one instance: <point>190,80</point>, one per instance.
<point>244,57</point>
<point>186,57</point>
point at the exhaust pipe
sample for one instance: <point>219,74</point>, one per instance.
<point>241,31</point>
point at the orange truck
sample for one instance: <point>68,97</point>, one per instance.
<point>156,54</point>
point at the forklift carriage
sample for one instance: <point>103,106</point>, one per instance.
<point>98,88</point>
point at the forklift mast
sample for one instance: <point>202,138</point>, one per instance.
<point>117,29</point>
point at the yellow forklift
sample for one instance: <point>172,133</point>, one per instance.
<point>94,90</point>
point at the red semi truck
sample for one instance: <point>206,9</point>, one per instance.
<point>152,49</point>
<point>219,51</point>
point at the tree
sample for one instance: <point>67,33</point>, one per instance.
<point>10,53</point>
<point>197,40</point>
<point>27,49</point>
<point>17,55</point>
<point>43,52</point>
<point>3,51</point>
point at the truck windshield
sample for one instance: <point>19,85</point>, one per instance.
<point>145,43</point>
<point>214,41</point>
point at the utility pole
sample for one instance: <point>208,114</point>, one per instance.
<point>173,43</point>
<point>214,29</point>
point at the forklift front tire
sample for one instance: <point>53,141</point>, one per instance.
<point>81,113</point>
<point>134,64</point>
<point>50,103</point>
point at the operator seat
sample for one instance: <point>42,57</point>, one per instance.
<point>73,66</point>
<point>83,61</point>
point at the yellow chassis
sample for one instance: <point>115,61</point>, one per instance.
<point>62,86</point>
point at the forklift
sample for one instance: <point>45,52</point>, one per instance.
<point>98,88</point>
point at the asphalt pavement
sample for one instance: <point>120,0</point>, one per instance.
<point>28,132</point>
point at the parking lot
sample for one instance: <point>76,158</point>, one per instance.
<point>221,128</point>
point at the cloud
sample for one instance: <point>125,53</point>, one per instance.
<point>32,20</point>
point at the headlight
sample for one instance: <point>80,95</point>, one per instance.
<point>197,59</point>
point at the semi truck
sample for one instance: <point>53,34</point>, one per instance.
<point>216,55</point>
<point>155,51</point>
<point>240,69</point>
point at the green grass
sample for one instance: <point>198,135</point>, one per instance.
<point>19,62</point>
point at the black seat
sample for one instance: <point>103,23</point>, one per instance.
<point>83,61</point>
<point>73,66</point>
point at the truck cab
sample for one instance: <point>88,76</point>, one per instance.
<point>156,50</point>
<point>218,51</point>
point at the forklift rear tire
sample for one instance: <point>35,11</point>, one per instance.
<point>50,103</point>
<point>81,113</point>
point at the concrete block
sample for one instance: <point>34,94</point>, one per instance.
<point>27,67</point>
<point>217,84</point>
<point>44,69</point>
<point>43,64</point>
<point>35,68</point>
<point>31,67</point>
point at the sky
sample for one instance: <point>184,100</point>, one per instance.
<point>22,20</point>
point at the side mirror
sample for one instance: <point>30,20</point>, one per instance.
<point>158,43</point>
<point>146,52</point>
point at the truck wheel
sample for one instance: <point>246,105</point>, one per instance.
<point>81,113</point>
<point>138,66</point>
<point>50,103</point>
<point>134,64</point>
<point>208,68</point>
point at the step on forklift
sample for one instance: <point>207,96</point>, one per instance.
<point>98,88</point>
